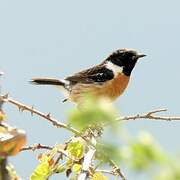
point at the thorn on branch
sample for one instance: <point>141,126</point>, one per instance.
<point>22,108</point>
<point>32,110</point>
<point>6,96</point>
<point>48,115</point>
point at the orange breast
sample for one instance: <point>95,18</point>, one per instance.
<point>115,87</point>
<point>111,89</point>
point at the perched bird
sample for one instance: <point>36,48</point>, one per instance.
<point>108,79</point>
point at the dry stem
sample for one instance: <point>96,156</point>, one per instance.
<point>150,115</point>
<point>48,117</point>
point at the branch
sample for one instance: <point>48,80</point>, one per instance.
<point>88,156</point>
<point>4,175</point>
<point>36,147</point>
<point>48,117</point>
<point>151,115</point>
<point>105,171</point>
<point>40,146</point>
<point>116,170</point>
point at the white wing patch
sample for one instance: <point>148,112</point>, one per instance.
<point>115,68</point>
<point>65,91</point>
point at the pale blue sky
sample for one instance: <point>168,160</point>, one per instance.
<point>56,38</point>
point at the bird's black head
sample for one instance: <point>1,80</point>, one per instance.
<point>125,58</point>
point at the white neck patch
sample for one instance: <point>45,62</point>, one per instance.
<point>115,68</point>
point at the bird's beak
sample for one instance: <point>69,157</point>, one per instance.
<point>140,55</point>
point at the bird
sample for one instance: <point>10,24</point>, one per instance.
<point>108,79</point>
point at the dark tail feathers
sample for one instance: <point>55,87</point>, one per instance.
<point>47,81</point>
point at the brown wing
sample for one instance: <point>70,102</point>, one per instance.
<point>97,73</point>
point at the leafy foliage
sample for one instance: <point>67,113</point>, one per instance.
<point>47,166</point>
<point>93,112</point>
<point>76,148</point>
<point>99,176</point>
<point>170,171</point>
<point>77,168</point>
<point>106,151</point>
<point>141,153</point>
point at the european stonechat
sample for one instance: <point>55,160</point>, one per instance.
<point>108,79</point>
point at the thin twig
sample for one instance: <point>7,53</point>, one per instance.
<point>36,147</point>
<point>150,115</point>
<point>116,170</point>
<point>40,146</point>
<point>48,117</point>
<point>105,171</point>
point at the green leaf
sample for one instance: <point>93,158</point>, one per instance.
<point>60,169</point>
<point>99,176</point>
<point>143,153</point>
<point>42,172</point>
<point>73,177</point>
<point>69,164</point>
<point>171,172</point>
<point>107,151</point>
<point>94,111</point>
<point>76,168</point>
<point>76,149</point>
<point>47,166</point>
